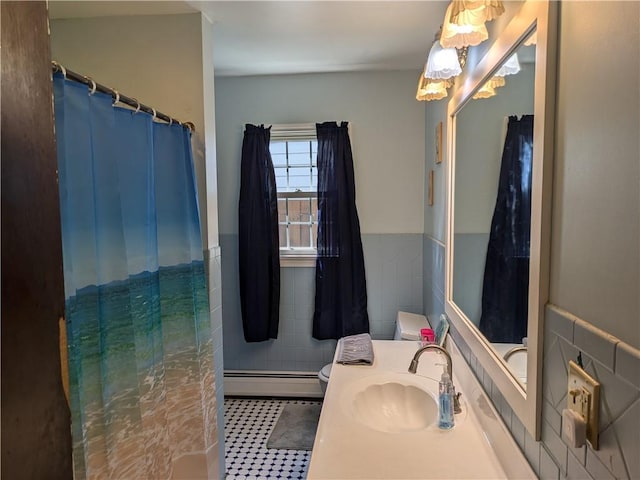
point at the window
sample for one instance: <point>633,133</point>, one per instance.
<point>294,151</point>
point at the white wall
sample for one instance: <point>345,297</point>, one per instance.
<point>387,137</point>
<point>595,247</point>
<point>156,59</point>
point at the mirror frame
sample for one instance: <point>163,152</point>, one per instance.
<point>540,16</point>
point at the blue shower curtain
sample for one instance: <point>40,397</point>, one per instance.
<point>140,348</point>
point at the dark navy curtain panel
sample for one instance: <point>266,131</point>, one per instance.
<point>259,244</point>
<point>341,289</point>
<point>505,293</point>
<point>140,347</point>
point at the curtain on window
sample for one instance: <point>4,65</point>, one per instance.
<point>505,293</point>
<point>341,290</point>
<point>259,250</point>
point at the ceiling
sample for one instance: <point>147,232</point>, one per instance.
<point>278,37</point>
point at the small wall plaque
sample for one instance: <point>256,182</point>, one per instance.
<point>431,188</point>
<point>438,157</point>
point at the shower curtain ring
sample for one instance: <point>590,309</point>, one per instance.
<point>93,86</point>
<point>117,98</point>
<point>137,106</point>
<point>154,113</point>
<point>170,121</point>
<point>59,68</point>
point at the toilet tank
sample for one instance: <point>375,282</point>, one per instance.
<point>408,326</point>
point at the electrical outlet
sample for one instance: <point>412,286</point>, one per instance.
<point>583,397</point>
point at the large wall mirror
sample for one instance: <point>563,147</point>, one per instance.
<point>499,188</point>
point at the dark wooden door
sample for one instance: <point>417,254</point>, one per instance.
<point>36,434</point>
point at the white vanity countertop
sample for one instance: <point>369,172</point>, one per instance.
<point>345,448</point>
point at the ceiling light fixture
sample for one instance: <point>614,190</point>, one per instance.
<point>442,63</point>
<point>488,90</point>
<point>458,36</point>
<point>510,67</point>
<point>475,12</point>
<point>429,89</point>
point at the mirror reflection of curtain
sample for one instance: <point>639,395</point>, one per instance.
<point>258,241</point>
<point>341,288</point>
<point>505,291</point>
<point>140,347</point>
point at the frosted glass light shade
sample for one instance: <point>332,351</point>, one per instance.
<point>532,40</point>
<point>442,63</point>
<point>475,12</point>
<point>429,89</point>
<point>510,67</point>
<point>458,36</point>
<point>488,90</point>
<point>496,82</point>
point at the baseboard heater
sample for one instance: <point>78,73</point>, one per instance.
<point>265,383</point>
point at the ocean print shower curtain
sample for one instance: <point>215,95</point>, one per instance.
<point>142,389</point>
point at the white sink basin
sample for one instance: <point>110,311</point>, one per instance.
<point>394,407</point>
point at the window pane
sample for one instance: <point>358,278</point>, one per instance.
<point>282,210</point>
<point>300,179</point>
<point>305,207</point>
<point>314,230</point>
<point>276,147</point>
<point>305,236</point>
<point>296,147</point>
<point>294,210</point>
<point>299,235</point>
<point>299,159</point>
<point>295,165</point>
<point>281,178</point>
<point>279,159</point>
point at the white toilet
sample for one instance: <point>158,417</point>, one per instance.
<point>323,376</point>
<point>408,327</point>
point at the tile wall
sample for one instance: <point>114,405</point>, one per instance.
<point>213,262</point>
<point>613,363</point>
<point>433,277</point>
<point>393,264</point>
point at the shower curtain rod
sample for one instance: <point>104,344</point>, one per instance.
<point>117,96</point>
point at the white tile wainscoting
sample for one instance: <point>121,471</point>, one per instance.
<point>615,365</point>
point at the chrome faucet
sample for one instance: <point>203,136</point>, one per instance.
<point>413,367</point>
<point>519,348</point>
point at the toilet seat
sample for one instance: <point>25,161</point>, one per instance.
<point>325,372</point>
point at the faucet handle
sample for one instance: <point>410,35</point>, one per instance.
<point>456,402</point>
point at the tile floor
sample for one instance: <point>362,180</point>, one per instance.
<point>248,424</point>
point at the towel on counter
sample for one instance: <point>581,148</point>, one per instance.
<point>355,350</point>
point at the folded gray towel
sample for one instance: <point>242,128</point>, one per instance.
<point>355,350</point>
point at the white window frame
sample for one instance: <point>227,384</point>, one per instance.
<point>296,257</point>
